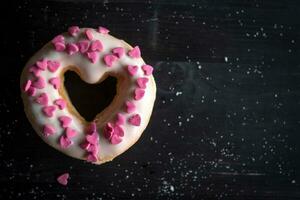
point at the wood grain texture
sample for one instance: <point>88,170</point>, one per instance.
<point>226,121</point>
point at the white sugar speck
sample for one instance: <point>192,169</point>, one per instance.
<point>178,93</point>
<point>172,188</point>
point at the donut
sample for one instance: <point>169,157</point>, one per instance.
<point>94,55</point>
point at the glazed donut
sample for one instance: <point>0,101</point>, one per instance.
<point>94,55</point>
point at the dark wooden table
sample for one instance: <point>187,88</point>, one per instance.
<point>226,123</point>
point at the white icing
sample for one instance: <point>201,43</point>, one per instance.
<point>90,73</point>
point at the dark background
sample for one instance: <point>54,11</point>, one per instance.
<point>226,120</point>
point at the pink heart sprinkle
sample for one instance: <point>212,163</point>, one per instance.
<point>135,120</point>
<point>130,107</point>
<point>26,86</point>
<point>93,56</point>
<point>64,121</point>
<point>138,93</point>
<point>53,65</point>
<point>93,149</point>
<point>118,131</point>
<point>148,69</point>
<point>48,110</point>
<point>120,119</point>
<point>92,138</point>
<point>63,179</point>
<point>132,69</point>
<point>60,103</point>
<point>90,147</point>
<point>64,142</point>
<point>35,71</point>
<point>42,64</point>
<point>91,158</point>
<point>103,30</point>
<point>115,139</point>
<point>55,82</point>
<point>42,99</point>
<point>31,91</point>
<point>59,46</point>
<point>58,38</point>
<point>109,59</point>
<point>70,133</point>
<point>73,30</point>
<point>39,83</point>
<point>72,48</point>
<point>96,46</point>
<point>135,52</point>
<point>83,45</point>
<point>85,145</point>
<point>108,131</point>
<point>48,130</point>
<point>88,34</point>
<point>119,51</point>
<point>91,128</point>
<point>141,82</point>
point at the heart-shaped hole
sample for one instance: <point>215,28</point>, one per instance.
<point>90,99</point>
